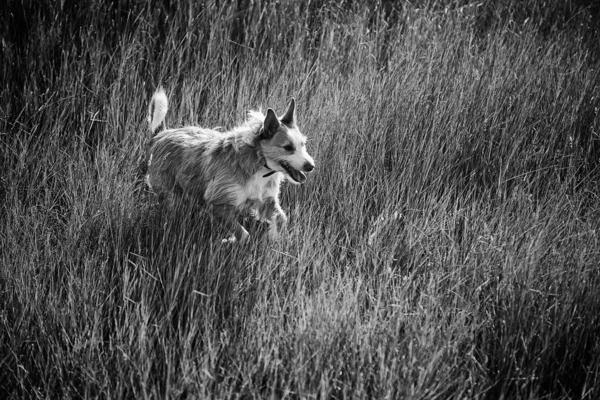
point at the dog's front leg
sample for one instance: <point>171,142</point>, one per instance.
<point>278,223</point>
<point>226,216</point>
<point>271,210</point>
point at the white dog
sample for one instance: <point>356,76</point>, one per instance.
<point>234,173</point>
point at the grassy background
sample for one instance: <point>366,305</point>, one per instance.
<point>447,244</point>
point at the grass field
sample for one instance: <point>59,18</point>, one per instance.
<point>446,246</point>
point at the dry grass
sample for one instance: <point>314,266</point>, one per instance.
<point>446,246</point>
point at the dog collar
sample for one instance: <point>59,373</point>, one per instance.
<point>268,173</point>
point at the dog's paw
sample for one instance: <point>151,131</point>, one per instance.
<point>244,236</point>
<point>229,240</point>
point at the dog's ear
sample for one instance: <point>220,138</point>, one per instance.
<point>270,125</point>
<point>289,118</point>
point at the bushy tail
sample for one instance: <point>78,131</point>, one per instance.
<point>157,110</point>
<point>156,114</point>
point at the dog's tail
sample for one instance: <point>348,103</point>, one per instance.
<point>156,115</point>
<point>157,110</point>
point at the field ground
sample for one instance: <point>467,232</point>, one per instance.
<point>446,246</point>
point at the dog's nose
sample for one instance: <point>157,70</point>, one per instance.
<point>308,167</point>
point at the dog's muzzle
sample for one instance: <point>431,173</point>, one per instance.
<point>295,174</point>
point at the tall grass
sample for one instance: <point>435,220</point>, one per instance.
<point>446,245</point>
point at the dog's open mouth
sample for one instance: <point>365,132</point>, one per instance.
<point>293,173</point>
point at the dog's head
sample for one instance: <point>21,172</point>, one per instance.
<point>284,147</point>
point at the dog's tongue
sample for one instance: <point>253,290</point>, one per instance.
<point>296,175</point>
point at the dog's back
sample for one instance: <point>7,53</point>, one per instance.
<point>167,150</point>
<point>191,160</point>
<point>178,161</point>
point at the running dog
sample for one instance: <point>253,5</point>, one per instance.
<point>238,172</point>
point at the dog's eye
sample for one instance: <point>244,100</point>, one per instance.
<point>288,147</point>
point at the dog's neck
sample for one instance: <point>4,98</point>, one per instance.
<point>256,145</point>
